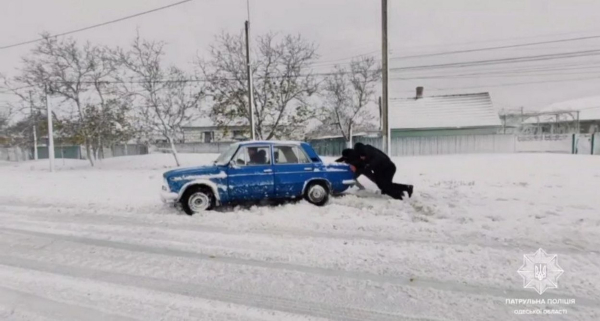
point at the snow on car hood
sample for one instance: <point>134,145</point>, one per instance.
<point>191,173</point>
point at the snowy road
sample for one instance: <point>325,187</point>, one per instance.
<point>94,244</point>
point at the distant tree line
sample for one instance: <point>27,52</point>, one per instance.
<point>102,96</point>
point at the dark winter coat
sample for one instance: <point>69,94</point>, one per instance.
<point>374,158</point>
<point>351,157</point>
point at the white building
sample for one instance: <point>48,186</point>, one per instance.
<point>205,131</point>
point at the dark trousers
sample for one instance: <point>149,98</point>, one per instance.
<point>383,179</point>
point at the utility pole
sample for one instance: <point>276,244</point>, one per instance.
<point>380,115</point>
<point>50,131</point>
<point>35,147</point>
<point>350,135</point>
<point>384,78</point>
<point>250,91</point>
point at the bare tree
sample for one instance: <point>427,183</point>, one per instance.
<point>4,118</point>
<point>347,95</point>
<point>282,83</point>
<point>168,97</point>
<point>63,69</point>
<point>28,108</point>
<point>101,116</point>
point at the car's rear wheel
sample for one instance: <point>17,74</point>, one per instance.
<point>197,199</point>
<point>317,193</point>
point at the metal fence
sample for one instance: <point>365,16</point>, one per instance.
<point>20,154</point>
<point>128,150</point>
<point>467,144</point>
<point>334,147</point>
<point>14,154</point>
<point>546,143</point>
<point>587,144</point>
<point>435,145</point>
<point>438,145</point>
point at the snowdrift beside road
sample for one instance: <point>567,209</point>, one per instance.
<point>449,253</point>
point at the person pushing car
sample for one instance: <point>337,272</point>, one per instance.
<point>383,170</point>
<point>351,157</point>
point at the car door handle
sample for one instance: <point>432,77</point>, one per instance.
<point>308,168</point>
<point>268,170</point>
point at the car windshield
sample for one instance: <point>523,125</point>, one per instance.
<point>225,157</point>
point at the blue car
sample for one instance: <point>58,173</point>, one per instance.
<point>255,171</point>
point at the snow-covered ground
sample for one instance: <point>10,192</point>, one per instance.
<point>97,244</point>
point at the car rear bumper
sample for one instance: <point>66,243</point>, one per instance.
<point>349,182</point>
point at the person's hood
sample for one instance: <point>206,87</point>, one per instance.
<point>348,152</point>
<point>360,149</point>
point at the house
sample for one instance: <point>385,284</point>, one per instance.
<point>447,115</point>
<point>580,116</point>
<point>205,131</point>
<point>334,144</point>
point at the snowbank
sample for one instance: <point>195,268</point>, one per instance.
<point>139,162</point>
<point>457,243</point>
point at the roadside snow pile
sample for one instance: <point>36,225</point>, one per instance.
<point>131,182</point>
<point>140,162</point>
<point>450,253</point>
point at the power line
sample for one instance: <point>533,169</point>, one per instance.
<point>573,54</point>
<point>197,80</point>
<point>10,91</point>
<point>336,61</point>
<point>506,39</point>
<point>498,47</point>
<point>524,72</point>
<point>486,76</point>
<point>520,69</point>
<point>97,25</point>
<point>332,62</point>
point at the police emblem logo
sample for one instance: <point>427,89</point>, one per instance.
<point>540,271</point>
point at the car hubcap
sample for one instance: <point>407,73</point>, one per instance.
<point>199,202</point>
<point>316,193</point>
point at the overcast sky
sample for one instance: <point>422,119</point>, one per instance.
<point>346,28</point>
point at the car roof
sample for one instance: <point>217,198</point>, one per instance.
<point>270,142</point>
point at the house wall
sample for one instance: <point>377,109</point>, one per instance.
<point>200,148</point>
<point>444,132</point>
<point>197,135</point>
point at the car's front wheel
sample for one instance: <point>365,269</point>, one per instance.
<point>197,199</point>
<point>317,193</point>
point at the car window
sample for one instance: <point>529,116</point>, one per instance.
<point>289,155</point>
<point>253,155</point>
<point>227,155</point>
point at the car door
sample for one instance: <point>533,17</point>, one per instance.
<point>251,177</point>
<point>291,168</point>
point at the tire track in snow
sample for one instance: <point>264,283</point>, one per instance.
<point>31,303</point>
<point>101,219</point>
<point>210,293</point>
<point>395,280</point>
<point>141,303</point>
